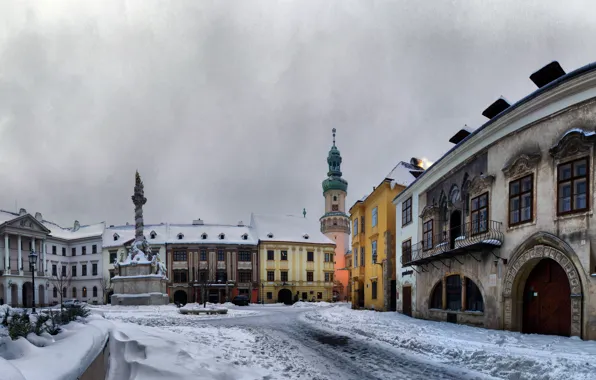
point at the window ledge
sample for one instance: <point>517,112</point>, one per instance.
<point>593,275</point>
<point>521,225</point>
<point>576,215</point>
<point>467,312</point>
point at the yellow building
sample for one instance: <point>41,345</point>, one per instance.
<point>295,259</point>
<point>373,240</point>
<point>349,267</point>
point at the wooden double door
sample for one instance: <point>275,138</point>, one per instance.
<point>547,300</point>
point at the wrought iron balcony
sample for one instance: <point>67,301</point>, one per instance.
<point>469,238</point>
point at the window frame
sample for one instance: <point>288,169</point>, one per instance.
<point>406,210</point>
<point>478,210</point>
<point>373,255</point>
<point>177,256</point>
<point>270,255</point>
<point>519,196</point>
<point>282,274</point>
<point>428,232</point>
<point>374,290</point>
<point>355,227</point>
<point>283,256</point>
<point>406,246</point>
<point>374,217</point>
<point>272,277</point>
<point>311,274</point>
<point>310,256</point>
<point>571,180</point>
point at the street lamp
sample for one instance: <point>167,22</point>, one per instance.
<point>32,264</point>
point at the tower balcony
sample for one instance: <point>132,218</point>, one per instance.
<point>474,239</point>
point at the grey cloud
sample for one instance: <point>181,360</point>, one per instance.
<point>227,108</point>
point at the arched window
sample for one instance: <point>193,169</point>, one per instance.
<point>204,236</point>
<point>474,301</point>
<point>84,292</point>
<point>436,300</point>
<point>95,291</point>
<point>55,292</point>
<point>453,284</point>
<point>74,292</point>
<point>335,197</point>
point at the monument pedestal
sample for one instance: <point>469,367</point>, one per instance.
<point>136,285</point>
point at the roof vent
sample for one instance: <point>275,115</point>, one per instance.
<point>547,74</point>
<point>204,236</point>
<point>38,217</point>
<point>76,226</point>
<point>198,222</point>
<point>460,135</point>
<point>22,212</point>
<point>240,224</point>
<point>496,108</point>
<point>180,236</point>
<point>222,236</point>
<point>270,235</point>
<point>305,236</point>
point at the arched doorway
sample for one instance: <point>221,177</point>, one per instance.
<point>14,296</point>
<point>547,300</point>
<point>27,294</point>
<point>41,295</point>
<point>180,297</point>
<point>454,228</point>
<point>285,296</point>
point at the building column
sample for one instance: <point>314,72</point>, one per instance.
<point>6,252</point>
<point>45,263</point>
<point>19,295</point>
<point>34,248</point>
<point>19,241</point>
<point>9,295</point>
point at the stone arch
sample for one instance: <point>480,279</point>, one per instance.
<point>541,245</point>
<point>180,297</point>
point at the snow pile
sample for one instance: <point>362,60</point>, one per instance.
<point>75,348</point>
<point>312,304</point>
<point>146,353</point>
<point>503,354</point>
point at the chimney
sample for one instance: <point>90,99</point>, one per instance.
<point>496,108</point>
<point>76,226</point>
<point>197,222</point>
<point>416,162</point>
<point>547,74</point>
<point>38,217</point>
<point>22,212</point>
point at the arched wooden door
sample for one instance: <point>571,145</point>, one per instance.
<point>547,300</point>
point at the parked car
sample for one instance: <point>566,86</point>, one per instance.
<point>72,303</point>
<point>241,301</point>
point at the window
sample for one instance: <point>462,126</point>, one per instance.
<point>221,236</point>
<point>94,248</point>
<point>327,257</point>
<point>55,292</point>
<point>362,224</point>
<point>220,255</point>
<point>406,251</point>
<point>269,295</point>
<point>94,269</point>
<point>203,276</point>
<point>362,254</point>
<point>152,235</point>
<point>74,251</point>
<point>113,256</point>
<point>112,273</point>
<point>244,256</point>
<point>520,200</point>
<point>406,212</point>
<point>335,198</point>
<point>221,276</point>
<point>63,251</point>
<point>84,292</point>
<point>180,236</point>
<point>436,301</point>
<point>180,276</point>
<point>310,276</point>
<point>319,295</point>
<point>204,236</point>
<point>180,256</point>
<point>245,276</point>
<point>356,257</point>
<point>74,292</point>
<point>284,255</point>
<point>479,210</point>
<point>355,228</point>
<point>203,255</point>
<point>245,237</point>
<point>270,275</point>
<point>83,250</point>
<point>116,237</point>
<point>474,300</point>
<point>427,235</point>
<point>54,270</point>
<point>375,211</point>
<point>310,256</point>
<point>270,255</point>
<point>453,284</point>
<point>63,270</point>
<point>334,207</point>
<point>95,291</point>
<point>572,187</point>
<point>54,250</point>
<point>374,251</point>
<point>374,290</point>
<point>304,295</point>
<point>74,271</point>
<point>284,276</point>
<point>327,277</point>
<point>84,269</point>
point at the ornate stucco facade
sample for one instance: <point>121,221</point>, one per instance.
<point>504,219</point>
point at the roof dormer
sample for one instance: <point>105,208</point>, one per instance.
<point>152,234</point>
<point>116,236</point>
<point>305,236</point>
<point>270,235</point>
<point>180,236</point>
<point>222,236</point>
<point>245,236</point>
<point>204,236</point>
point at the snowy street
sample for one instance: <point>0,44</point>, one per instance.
<point>334,342</point>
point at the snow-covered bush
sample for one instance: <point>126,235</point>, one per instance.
<point>19,325</point>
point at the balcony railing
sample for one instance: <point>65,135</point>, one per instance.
<point>466,238</point>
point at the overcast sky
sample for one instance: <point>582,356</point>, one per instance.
<point>226,107</point>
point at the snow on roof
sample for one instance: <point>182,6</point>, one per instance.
<point>401,174</point>
<point>127,232</point>
<point>84,231</point>
<point>288,228</point>
<point>211,234</point>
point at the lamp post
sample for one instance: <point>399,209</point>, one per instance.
<point>32,264</point>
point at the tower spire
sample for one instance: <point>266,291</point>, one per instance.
<point>333,130</point>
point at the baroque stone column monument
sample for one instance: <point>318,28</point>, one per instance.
<point>142,276</point>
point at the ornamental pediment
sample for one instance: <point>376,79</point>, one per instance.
<point>481,183</point>
<point>575,141</point>
<point>429,212</point>
<point>27,222</point>
<point>522,163</point>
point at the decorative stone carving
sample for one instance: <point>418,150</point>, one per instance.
<point>536,253</point>
<point>429,211</point>
<point>481,183</point>
<point>574,141</point>
<point>521,164</point>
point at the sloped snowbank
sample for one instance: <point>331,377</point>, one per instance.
<point>65,357</point>
<point>301,304</point>
<point>148,353</point>
<point>502,354</point>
